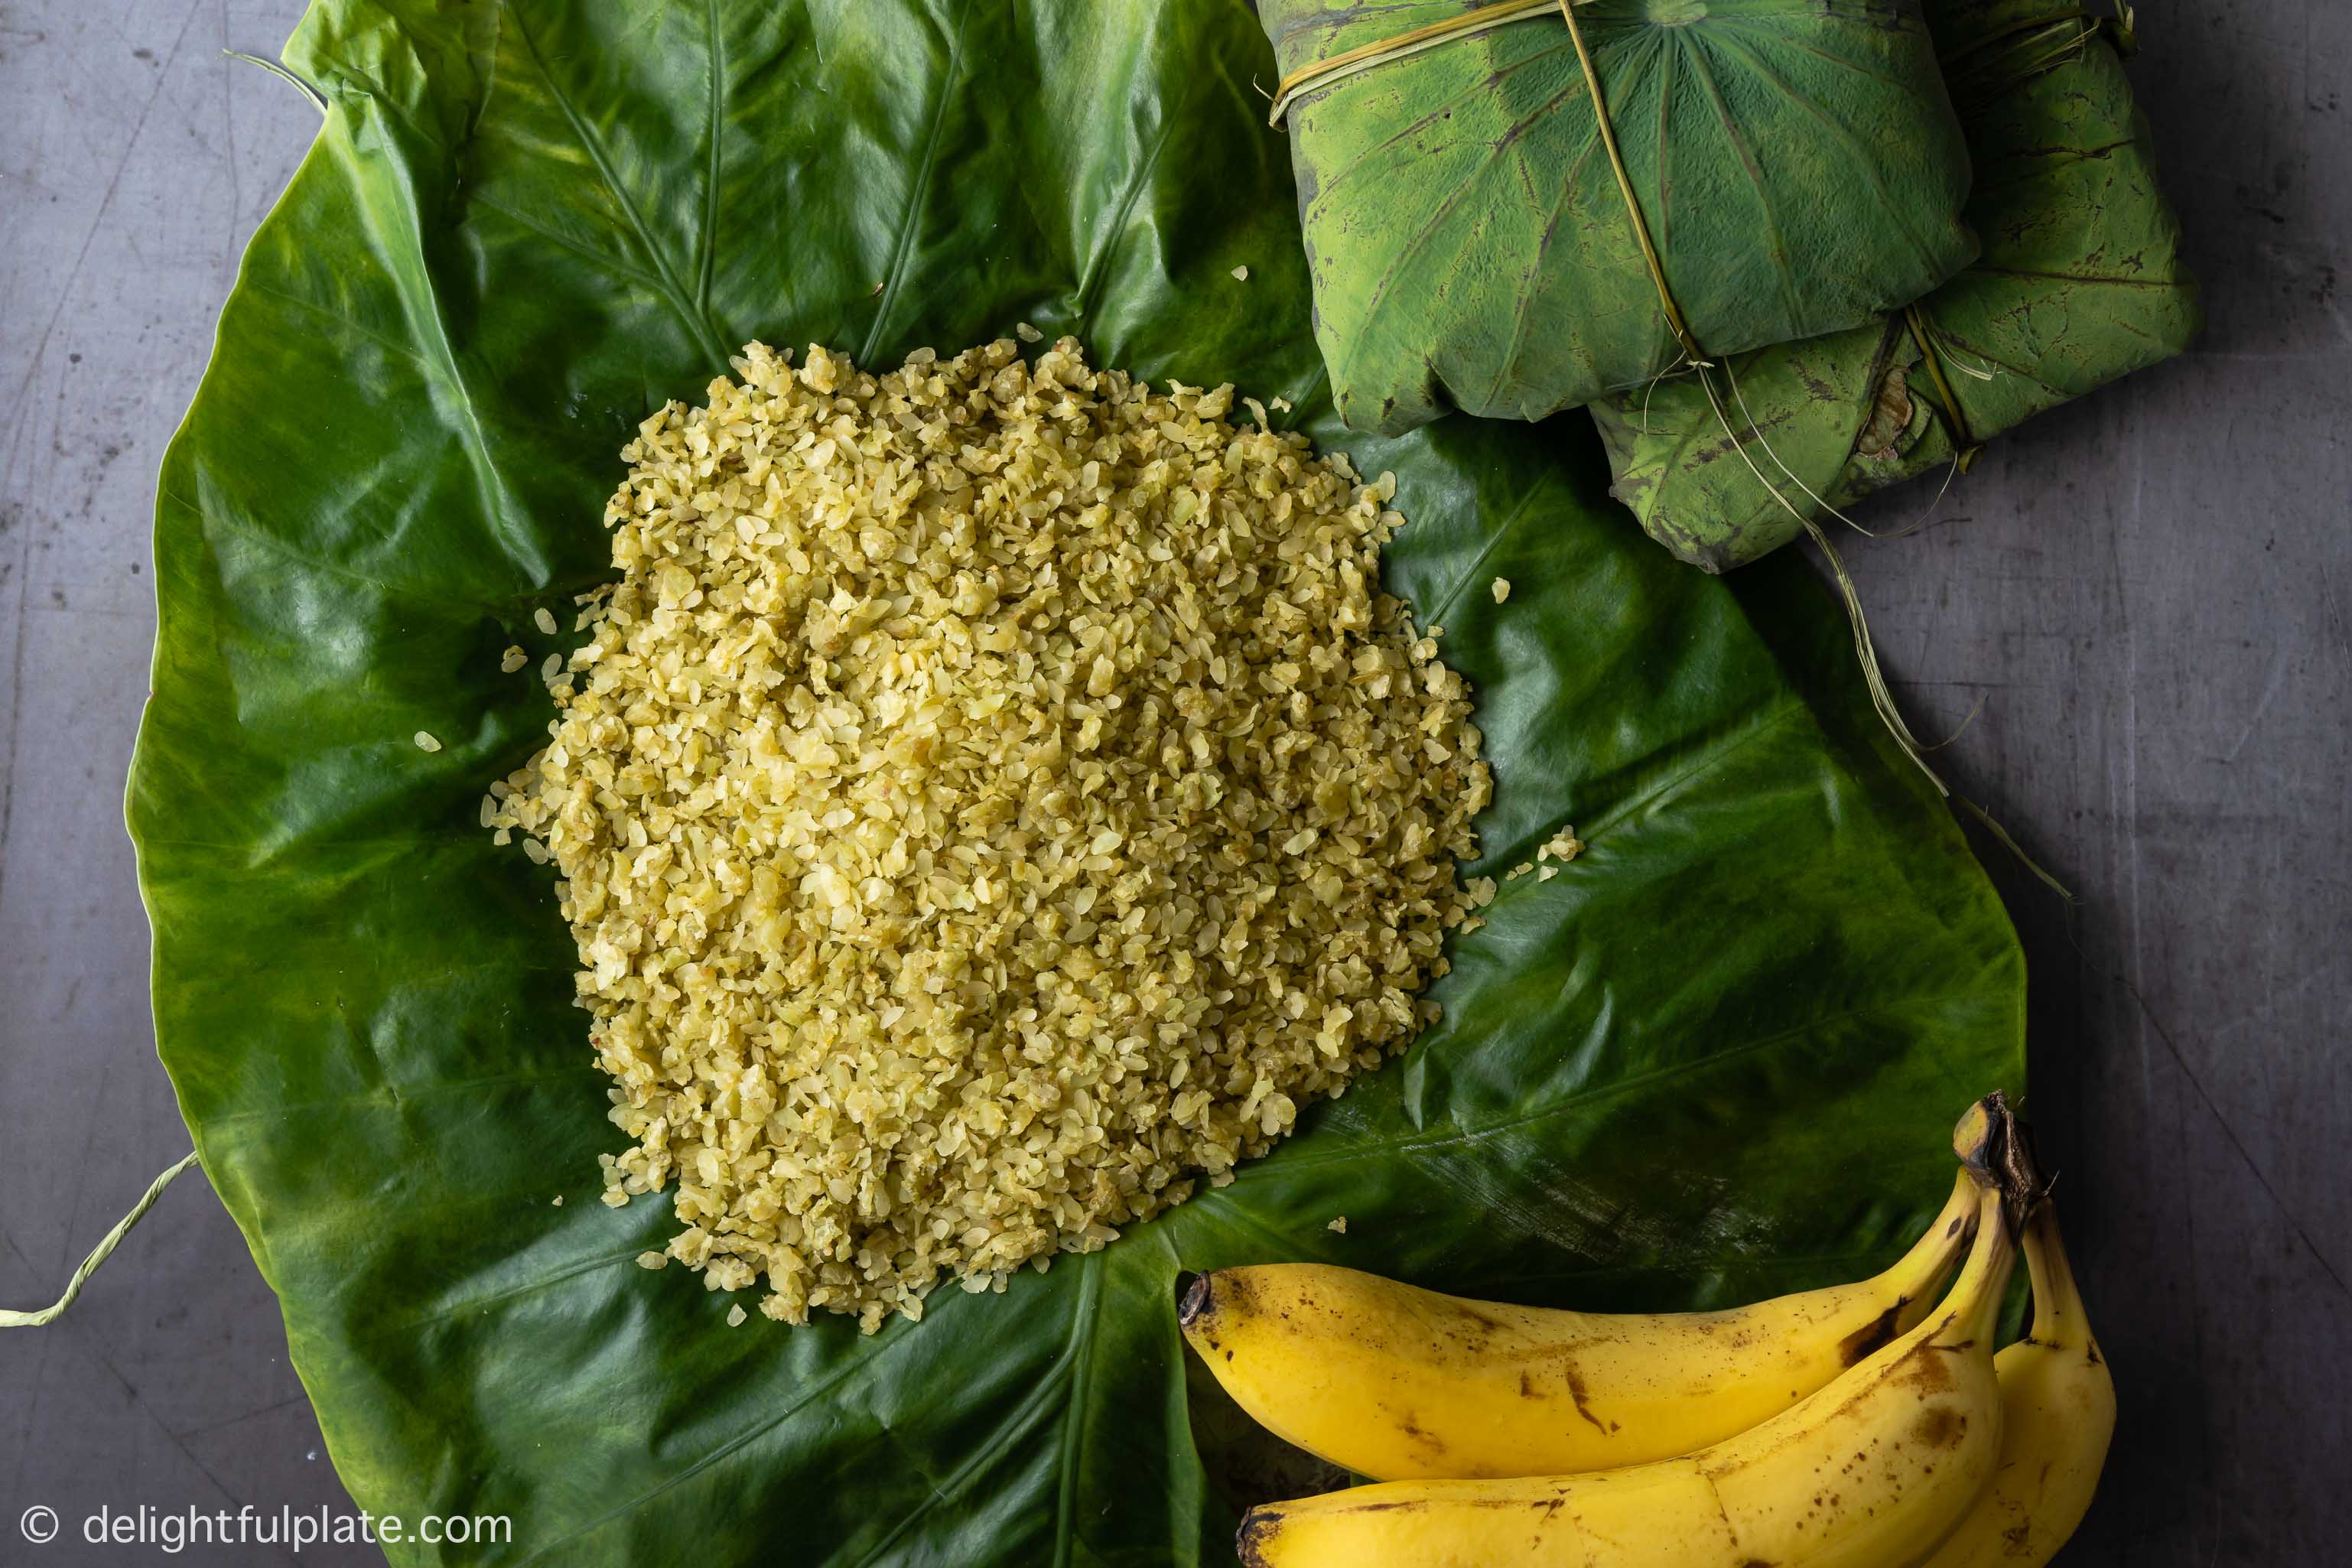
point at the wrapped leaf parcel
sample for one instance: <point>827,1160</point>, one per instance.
<point>1479,238</point>
<point>2081,281</point>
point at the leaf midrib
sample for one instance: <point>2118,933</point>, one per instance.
<point>1458,1134</point>
<point>698,325</point>
<point>918,190</point>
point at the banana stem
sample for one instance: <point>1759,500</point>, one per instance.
<point>1994,1147</point>
<point>2058,1315</point>
<point>1977,1140</point>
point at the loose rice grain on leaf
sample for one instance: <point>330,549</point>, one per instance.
<point>992,797</point>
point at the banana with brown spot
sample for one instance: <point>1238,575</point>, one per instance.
<point>1398,1382</point>
<point>1872,1471</point>
<point>2058,1411</point>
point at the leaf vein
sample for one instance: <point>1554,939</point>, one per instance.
<point>698,325</point>
<point>1097,273</point>
<point>1087,1320</point>
<point>1436,614</point>
<point>1459,1135</point>
<point>709,241</point>
<point>918,190</point>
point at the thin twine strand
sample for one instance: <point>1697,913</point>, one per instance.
<point>2031,24</point>
<point>1882,698</point>
<point>1874,677</point>
<point>1674,322</point>
<point>1964,451</point>
<point>1964,443</point>
<point>1974,78</point>
<point>1925,518</point>
<point>97,1255</point>
<point>1381,51</point>
<point>1755,428</point>
<point>1365,56</point>
<point>318,99</point>
<point>2121,22</point>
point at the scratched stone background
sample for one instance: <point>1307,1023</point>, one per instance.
<point>2149,594</point>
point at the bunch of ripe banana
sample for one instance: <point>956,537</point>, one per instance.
<point>1860,1427</point>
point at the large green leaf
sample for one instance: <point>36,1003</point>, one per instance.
<point>1796,163</point>
<point>1715,1059</point>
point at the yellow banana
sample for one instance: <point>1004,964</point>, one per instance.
<point>1396,1383</point>
<point>2058,1411</point>
<point>1872,1471</point>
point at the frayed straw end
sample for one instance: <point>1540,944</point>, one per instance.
<point>318,99</point>
<point>1883,699</point>
<point>97,1255</point>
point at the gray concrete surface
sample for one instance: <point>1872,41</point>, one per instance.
<point>2151,593</point>
<point>134,162</point>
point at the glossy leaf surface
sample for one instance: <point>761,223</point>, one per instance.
<point>1716,1057</point>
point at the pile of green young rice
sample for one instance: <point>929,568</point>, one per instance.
<point>994,796</point>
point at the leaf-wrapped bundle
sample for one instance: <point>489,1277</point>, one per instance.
<point>2081,281</point>
<point>1796,163</point>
